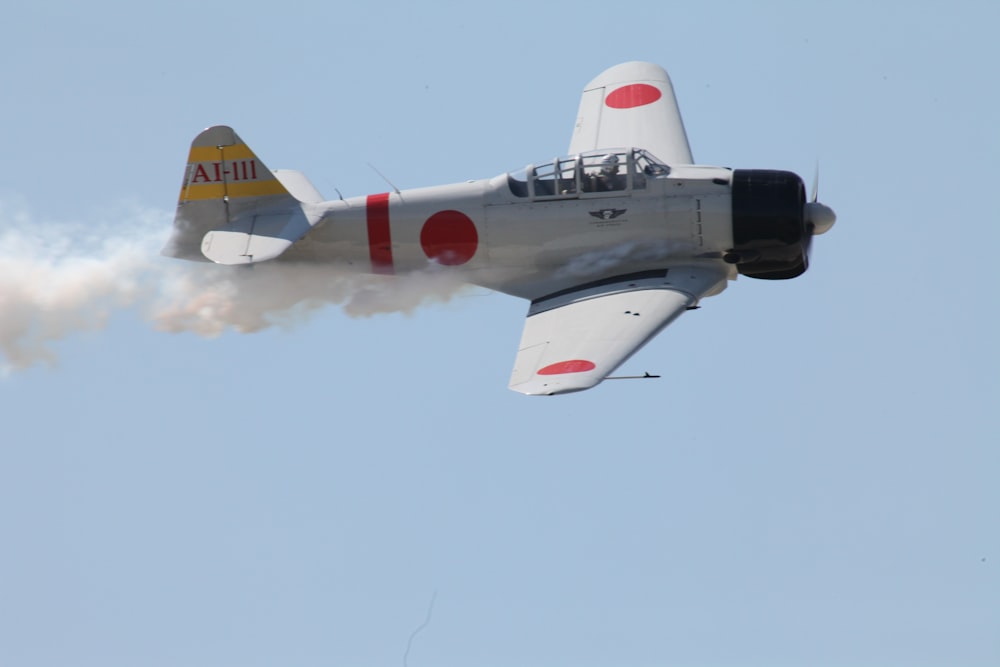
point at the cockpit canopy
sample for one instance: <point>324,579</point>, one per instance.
<point>605,171</point>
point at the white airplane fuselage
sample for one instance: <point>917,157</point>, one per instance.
<point>530,245</point>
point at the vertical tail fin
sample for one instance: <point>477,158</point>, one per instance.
<point>232,209</point>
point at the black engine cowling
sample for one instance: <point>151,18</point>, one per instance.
<point>770,239</point>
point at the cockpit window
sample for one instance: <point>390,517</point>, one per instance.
<point>518,182</point>
<point>649,165</point>
<point>609,171</point>
<point>557,178</point>
<point>566,176</point>
<point>544,180</point>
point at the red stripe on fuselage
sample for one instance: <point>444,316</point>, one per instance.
<point>379,238</point>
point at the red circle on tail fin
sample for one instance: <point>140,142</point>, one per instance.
<point>571,366</point>
<point>449,238</point>
<point>633,95</point>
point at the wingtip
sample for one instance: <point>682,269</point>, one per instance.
<point>634,70</point>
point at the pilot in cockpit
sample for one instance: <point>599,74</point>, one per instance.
<point>609,179</point>
<point>606,177</point>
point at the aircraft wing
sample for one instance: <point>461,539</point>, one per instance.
<point>632,105</point>
<point>573,339</point>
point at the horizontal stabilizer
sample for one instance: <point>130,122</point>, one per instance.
<point>256,238</point>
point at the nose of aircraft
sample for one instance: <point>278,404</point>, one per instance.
<point>820,216</point>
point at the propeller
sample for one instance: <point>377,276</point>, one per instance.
<point>818,218</point>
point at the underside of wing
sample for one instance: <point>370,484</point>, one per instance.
<point>573,339</point>
<point>632,105</point>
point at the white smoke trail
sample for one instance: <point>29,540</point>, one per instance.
<point>58,278</point>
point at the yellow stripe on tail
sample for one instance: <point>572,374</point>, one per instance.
<point>221,165</point>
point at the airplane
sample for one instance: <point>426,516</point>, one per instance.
<point>609,243</point>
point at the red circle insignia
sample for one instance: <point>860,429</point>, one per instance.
<point>633,95</point>
<point>571,366</point>
<point>449,238</point>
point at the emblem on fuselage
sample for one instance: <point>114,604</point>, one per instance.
<point>608,213</point>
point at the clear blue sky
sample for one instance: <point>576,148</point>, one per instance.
<point>812,482</point>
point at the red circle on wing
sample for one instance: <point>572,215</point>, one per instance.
<point>633,95</point>
<point>571,366</point>
<point>449,238</point>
